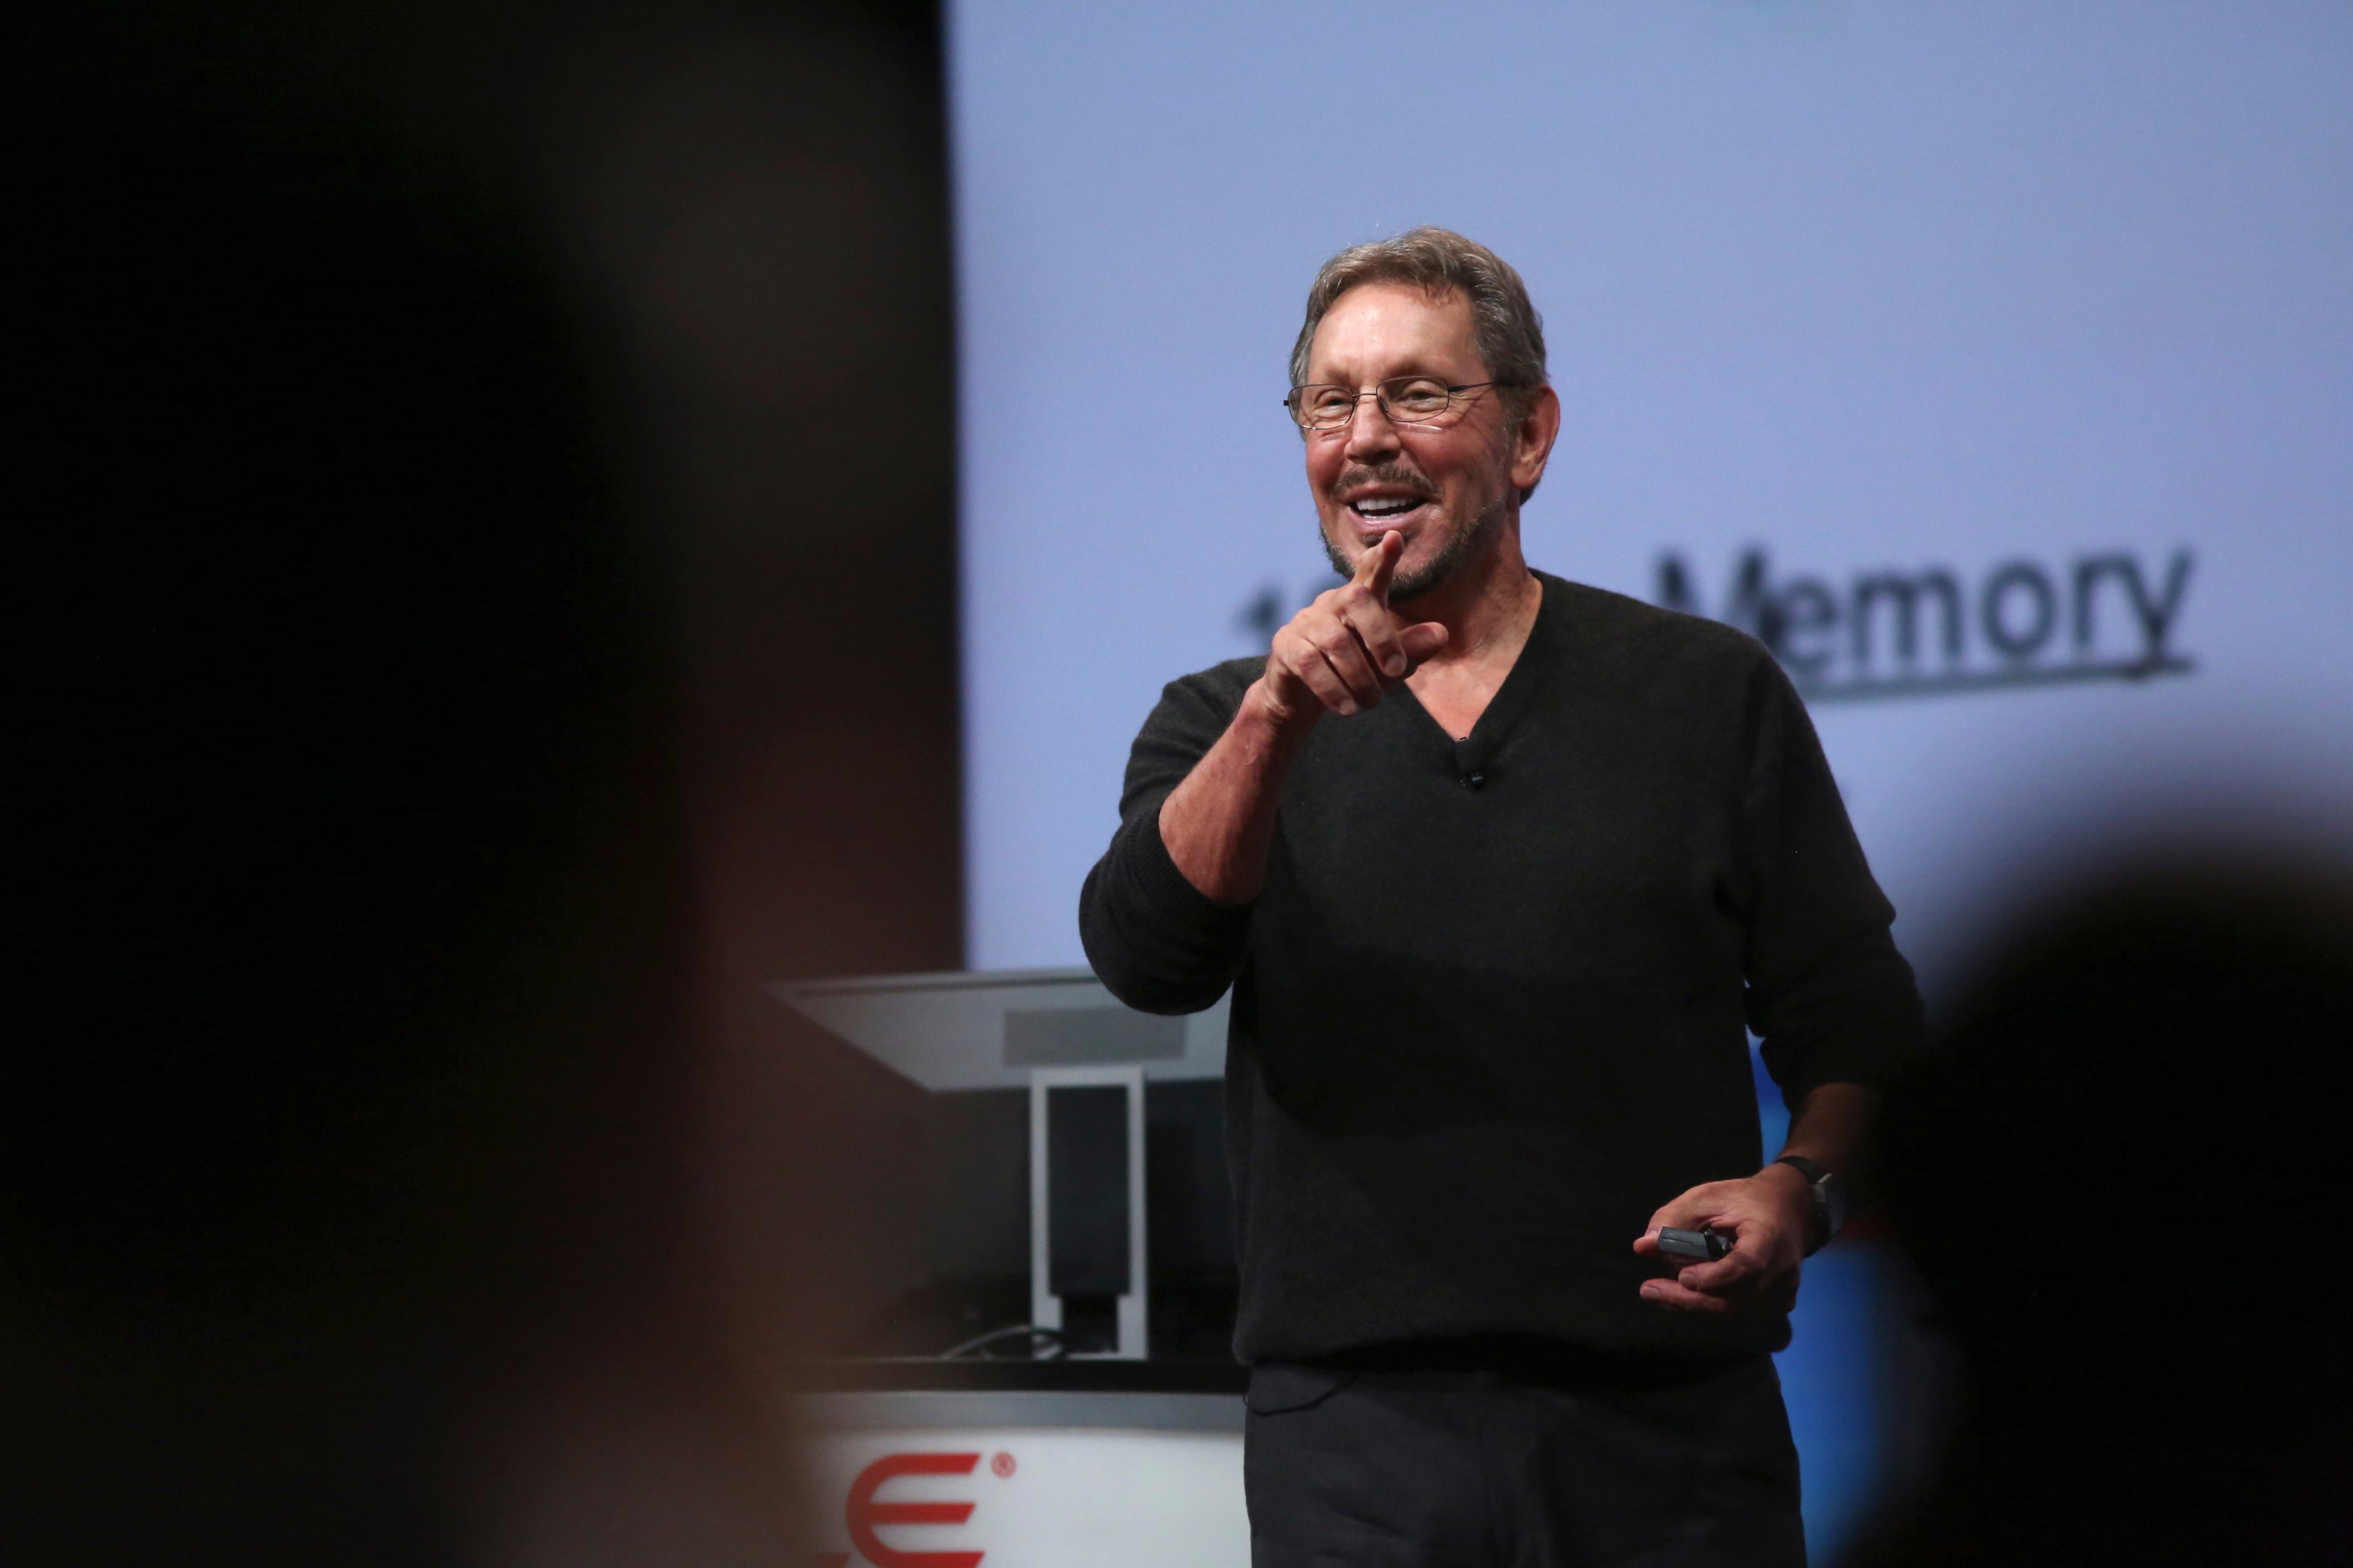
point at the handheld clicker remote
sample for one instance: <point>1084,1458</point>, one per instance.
<point>1693,1246</point>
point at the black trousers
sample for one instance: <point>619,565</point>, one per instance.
<point>1562,1466</point>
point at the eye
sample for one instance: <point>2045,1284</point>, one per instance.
<point>1326,401</point>
<point>1417,394</point>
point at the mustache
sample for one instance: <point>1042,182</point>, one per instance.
<point>1387,474</point>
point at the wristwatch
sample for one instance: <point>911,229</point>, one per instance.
<point>1826,1208</point>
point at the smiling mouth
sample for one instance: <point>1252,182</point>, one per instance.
<point>1385,510</point>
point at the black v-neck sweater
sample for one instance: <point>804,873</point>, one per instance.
<point>1490,1008</point>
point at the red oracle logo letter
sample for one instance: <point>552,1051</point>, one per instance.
<point>863,1513</point>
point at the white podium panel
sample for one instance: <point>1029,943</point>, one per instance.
<point>1026,1481</point>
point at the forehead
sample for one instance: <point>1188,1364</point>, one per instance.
<point>1379,330</point>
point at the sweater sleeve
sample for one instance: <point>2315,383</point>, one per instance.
<point>1157,942</point>
<point>1829,995</point>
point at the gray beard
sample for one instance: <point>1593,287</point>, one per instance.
<point>1438,567</point>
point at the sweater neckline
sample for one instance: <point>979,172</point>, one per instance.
<point>1512,698</point>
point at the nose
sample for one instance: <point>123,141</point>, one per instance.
<point>1370,434</point>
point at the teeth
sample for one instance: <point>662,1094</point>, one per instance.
<point>1387,506</point>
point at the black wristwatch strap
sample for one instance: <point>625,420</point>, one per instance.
<point>1821,1213</point>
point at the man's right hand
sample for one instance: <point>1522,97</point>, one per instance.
<point>1340,653</point>
<point>1336,656</point>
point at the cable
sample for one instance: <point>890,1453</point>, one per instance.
<point>1034,1337</point>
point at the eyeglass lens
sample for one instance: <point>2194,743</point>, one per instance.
<point>1407,399</point>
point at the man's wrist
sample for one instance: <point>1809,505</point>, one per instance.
<point>1818,1186</point>
<point>1813,1171</point>
<point>1280,721</point>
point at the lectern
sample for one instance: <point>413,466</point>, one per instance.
<point>1084,1058</point>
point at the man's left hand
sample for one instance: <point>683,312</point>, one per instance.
<point>1767,1215</point>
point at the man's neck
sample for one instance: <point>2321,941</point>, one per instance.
<point>1487,604</point>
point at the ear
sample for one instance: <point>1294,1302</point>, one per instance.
<point>1532,441</point>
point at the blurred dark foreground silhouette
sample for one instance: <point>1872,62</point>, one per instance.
<point>338,1113</point>
<point>2120,1178</point>
<point>357,1159</point>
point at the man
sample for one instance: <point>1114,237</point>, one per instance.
<point>1498,868</point>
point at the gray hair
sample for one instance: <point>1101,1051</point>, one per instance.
<point>1504,324</point>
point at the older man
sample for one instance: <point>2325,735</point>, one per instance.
<point>1501,869</point>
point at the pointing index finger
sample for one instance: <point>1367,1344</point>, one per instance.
<point>1376,566</point>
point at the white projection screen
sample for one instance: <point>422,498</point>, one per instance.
<point>2041,315</point>
<point>2027,324</point>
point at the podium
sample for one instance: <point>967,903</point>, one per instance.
<point>1084,1058</point>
